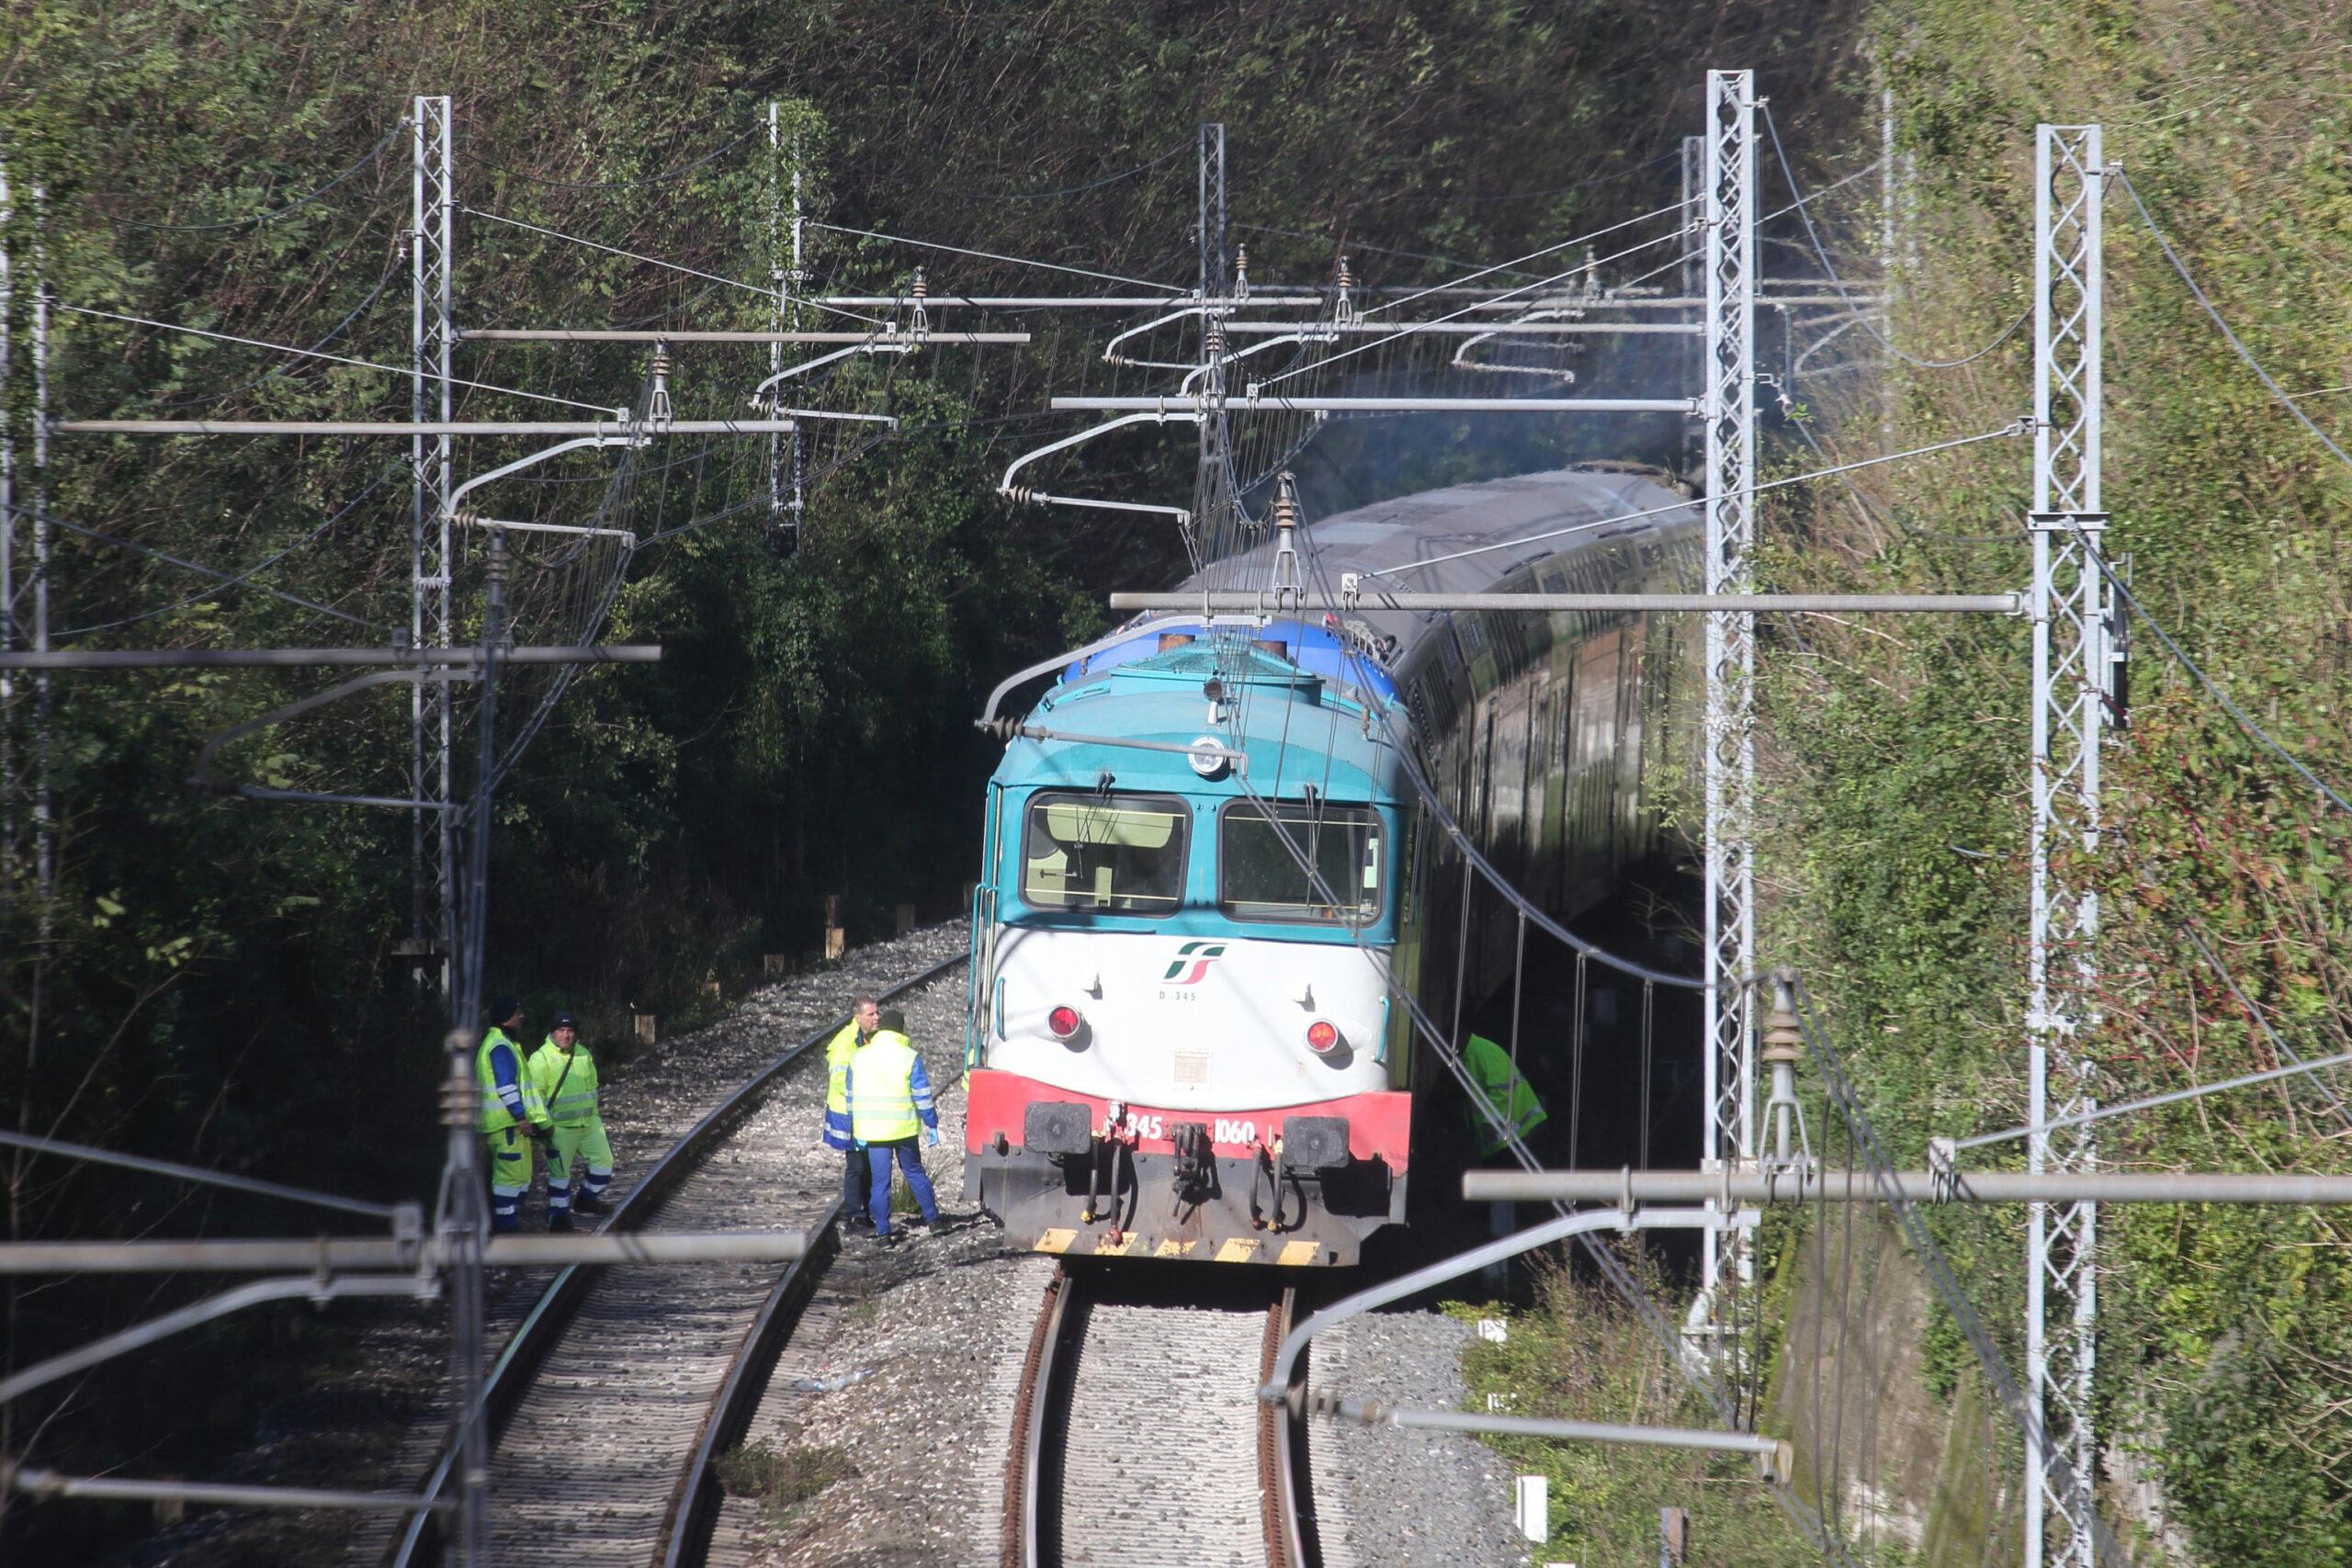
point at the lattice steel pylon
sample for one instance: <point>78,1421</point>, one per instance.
<point>2070,673</point>
<point>787,502</point>
<point>433,341</point>
<point>8,811</point>
<point>1216,507</point>
<point>1694,196</point>
<point>1728,400</point>
<point>28,797</point>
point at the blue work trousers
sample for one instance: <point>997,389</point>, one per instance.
<point>909,1161</point>
<point>857,1176</point>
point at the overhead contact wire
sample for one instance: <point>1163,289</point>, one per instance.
<point>332,358</point>
<point>275,370</point>
<point>992,255</point>
<point>186,565</point>
<point>2245,720</point>
<point>1837,283</point>
<point>671,266</point>
<point>2244,353</point>
<point>246,576</point>
<point>1403,332</point>
<point>2012,430</point>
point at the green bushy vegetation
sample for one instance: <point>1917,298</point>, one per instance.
<point>2225,1359</point>
<point>1577,1352</point>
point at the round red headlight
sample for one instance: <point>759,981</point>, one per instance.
<point>1322,1037</point>
<point>1063,1022</point>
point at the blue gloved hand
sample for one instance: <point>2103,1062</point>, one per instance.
<point>931,1135</point>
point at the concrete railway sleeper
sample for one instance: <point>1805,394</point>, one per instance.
<point>615,1394</point>
<point>1135,1443</point>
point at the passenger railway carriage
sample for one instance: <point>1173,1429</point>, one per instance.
<point>1182,1045</point>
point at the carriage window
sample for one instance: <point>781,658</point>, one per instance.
<point>1121,854</point>
<point>1260,877</point>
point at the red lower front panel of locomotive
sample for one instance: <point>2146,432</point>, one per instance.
<point>1295,1185</point>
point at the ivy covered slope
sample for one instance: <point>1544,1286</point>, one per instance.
<point>2225,880</point>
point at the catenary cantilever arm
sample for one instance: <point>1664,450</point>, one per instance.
<point>1276,1388</point>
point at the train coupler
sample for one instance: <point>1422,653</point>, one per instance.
<point>1194,1178</point>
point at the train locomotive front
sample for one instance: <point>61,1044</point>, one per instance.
<point>1208,874</point>
<point>1183,1048</point>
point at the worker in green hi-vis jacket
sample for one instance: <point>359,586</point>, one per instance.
<point>1490,1069</point>
<point>563,1075</point>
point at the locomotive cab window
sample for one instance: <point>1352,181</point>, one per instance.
<point>1259,878</point>
<point>1121,854</point>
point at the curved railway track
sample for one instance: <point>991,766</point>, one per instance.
<point>613,1398</point>
<point>1138,1438</point>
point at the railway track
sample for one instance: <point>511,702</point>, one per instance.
<point>616,1394</point>
<point>1138,1438</point>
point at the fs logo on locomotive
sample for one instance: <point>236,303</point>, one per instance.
<point>1193,960</point>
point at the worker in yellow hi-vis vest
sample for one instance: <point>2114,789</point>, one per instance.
<point>564,1074</point>
<point>511,1115</point>
<point>890,1103</point>
<point>864,1022</point>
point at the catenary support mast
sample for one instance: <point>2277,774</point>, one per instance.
<point>2070,673</point>
<point>433,339</point>
<point>1728,179</point>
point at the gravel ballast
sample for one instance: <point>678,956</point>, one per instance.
<point>899,1377</point>
<point>910,1363</point>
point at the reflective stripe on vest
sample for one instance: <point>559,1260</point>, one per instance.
<point>881,1090</point>
<point>495,1117</point>
<point>565,1084</point>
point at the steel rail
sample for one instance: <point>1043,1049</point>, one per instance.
<point>1018,1547</point>
<point>1287,1538</point>
<point>536,1337</point>
<point>1049,1375</point>
<point>693,1506</point>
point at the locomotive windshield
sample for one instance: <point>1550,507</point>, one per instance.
<point>1120,854</point>
<point>1260,877</point>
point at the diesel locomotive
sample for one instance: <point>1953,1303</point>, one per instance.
<point>1180,1043</point>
